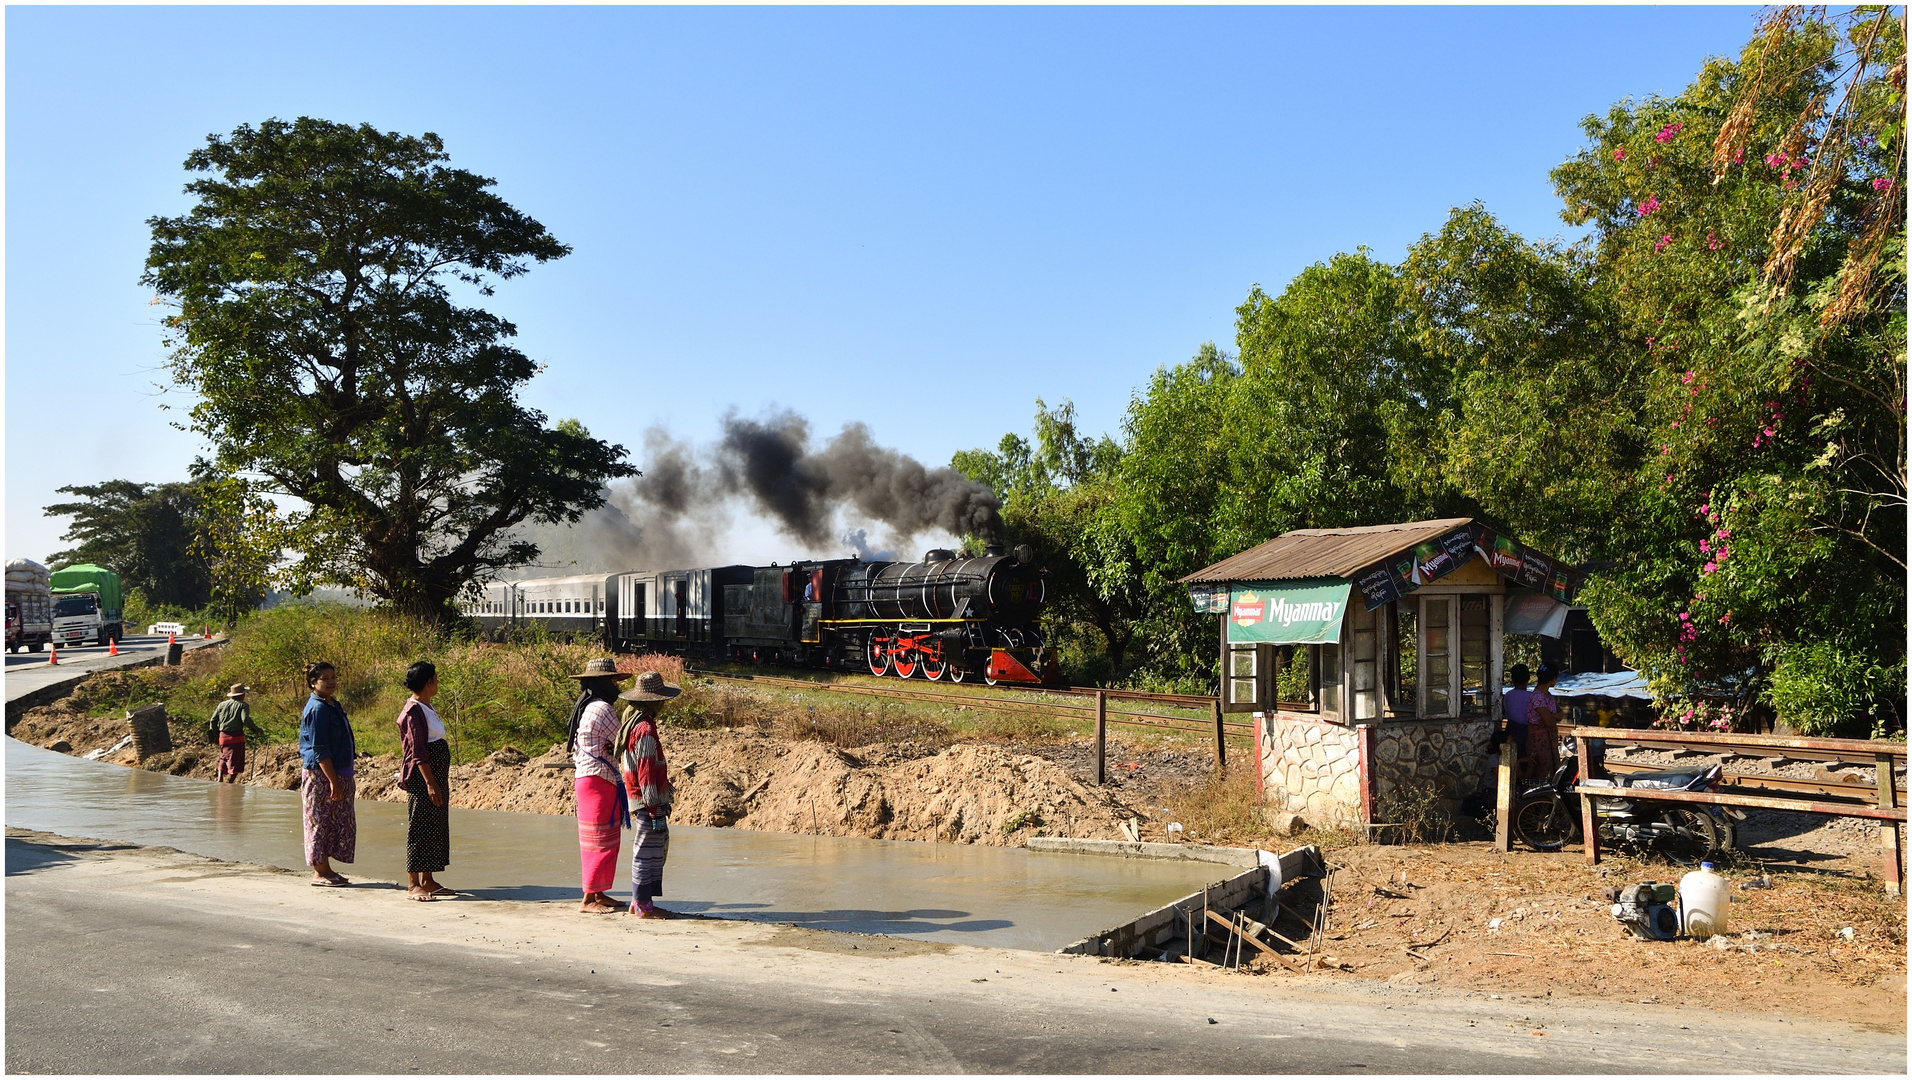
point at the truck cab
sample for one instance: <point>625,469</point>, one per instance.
<point>76,617</point>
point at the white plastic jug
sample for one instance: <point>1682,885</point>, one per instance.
<point>1703,900</point>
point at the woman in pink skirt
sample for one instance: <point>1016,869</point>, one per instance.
<point>602,808</point>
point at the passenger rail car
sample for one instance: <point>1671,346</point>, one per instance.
<point>941,618</point>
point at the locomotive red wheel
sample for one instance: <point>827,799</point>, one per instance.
<point>879,656</point>
<point>934,669</point>
<point>957,674</point>
<point>904,663</point>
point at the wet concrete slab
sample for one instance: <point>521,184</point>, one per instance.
<point>1005,897</point>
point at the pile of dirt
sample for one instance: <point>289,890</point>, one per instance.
<point>1521,924</point>
<point>969,792</point>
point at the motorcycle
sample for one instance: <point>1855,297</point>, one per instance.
<point>1547,813</point>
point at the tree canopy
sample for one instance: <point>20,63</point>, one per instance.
<point>317,329</point>
<point>145,533</point>
<point>1704,398</point>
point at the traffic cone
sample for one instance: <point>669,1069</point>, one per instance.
<point>112,646</point>
<point>52,652</point>
<point>172,639</point>
<point>206,631</point>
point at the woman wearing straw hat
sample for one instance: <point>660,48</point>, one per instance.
<point>602,808</point>
<point>648,786</point>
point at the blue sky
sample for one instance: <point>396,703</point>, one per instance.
<point>918,218</point>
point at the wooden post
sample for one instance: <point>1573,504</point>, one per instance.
<point>1221,748</point>
<point>1102,736</point>
<point>1504,802</point>
<point>1889,830</point>
<point>1588,824</point>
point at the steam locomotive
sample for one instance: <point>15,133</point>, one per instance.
<point>941,618</point>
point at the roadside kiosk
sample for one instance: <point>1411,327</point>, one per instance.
<point>1371,657</point>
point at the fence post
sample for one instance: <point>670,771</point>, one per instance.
<point>1221,748</point>
<point>1504,795</point>
<point>1101,736</point>
<point>1589,825</point>
<point>1889,830</point>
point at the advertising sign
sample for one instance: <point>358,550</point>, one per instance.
<point>1209,599</point>
<point>1287,612</point>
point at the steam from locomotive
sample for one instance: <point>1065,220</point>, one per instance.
<point>943,617</point>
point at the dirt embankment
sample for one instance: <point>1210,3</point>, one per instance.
<point>967,792</point>
<point>1528,925</point>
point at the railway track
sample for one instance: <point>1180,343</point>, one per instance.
<point>1002,702</point>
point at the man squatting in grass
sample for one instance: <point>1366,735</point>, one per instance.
<point>228,727</point>
<point>327,748</point>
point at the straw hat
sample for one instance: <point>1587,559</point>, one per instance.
<point>602,668</point>
<point>238,690</point>
<point>650,687</point>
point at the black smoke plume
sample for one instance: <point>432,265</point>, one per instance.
<point>678,510</point>
<point>770,462</point>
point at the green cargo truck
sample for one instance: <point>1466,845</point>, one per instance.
<point>86,604</point>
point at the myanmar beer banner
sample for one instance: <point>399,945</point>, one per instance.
<point>1209,599</point>
<point>1394,578</point>
<point>1287,612</point>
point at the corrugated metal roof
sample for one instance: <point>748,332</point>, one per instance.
<point>1316,553</point>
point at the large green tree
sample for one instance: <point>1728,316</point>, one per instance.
<point>318,331</point>
<point>1749,237</point>
<point>146,533</point>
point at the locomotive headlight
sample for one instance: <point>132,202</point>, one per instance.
<point>1025,554</point>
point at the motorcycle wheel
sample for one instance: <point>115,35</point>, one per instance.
<point>1694,839</point>
<point>1543,824</point>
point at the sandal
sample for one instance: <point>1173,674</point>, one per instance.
<point>442,891</point>
<point>422,897</point>
<point>326,882</point>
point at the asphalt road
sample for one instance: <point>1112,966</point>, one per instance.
<point>144,960</point>
<point>29,671</point>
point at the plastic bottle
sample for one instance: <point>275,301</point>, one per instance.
<point>1703,901</point>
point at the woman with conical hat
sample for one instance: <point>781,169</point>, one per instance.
<point>647,785</point>
<point>602,808</point>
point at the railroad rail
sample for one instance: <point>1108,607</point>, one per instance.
<point>1103,715</point>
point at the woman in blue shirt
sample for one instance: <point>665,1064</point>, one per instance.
<point>327,749</point>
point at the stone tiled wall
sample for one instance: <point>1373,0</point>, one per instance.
<point>1450,753</point>
<point>1312,769</point>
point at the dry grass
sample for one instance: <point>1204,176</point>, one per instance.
<point>1221,809</point>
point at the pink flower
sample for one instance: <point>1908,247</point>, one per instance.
<point>1709,567</point>
<point>1660,244</point>
<point>1881,184</point>
<point>1669,478</point>
<point>1666,133</point>
<point>1713,243</point>
<point>1687,378</point>
<point>1651,204</point>
<point>1777,161</point>
<point>1665,449</point>
<point>1620,154</point>
<point>1739,156</point>
<point>1676,423</point>
<point>1728,617</point>
<point>1706,547</point>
